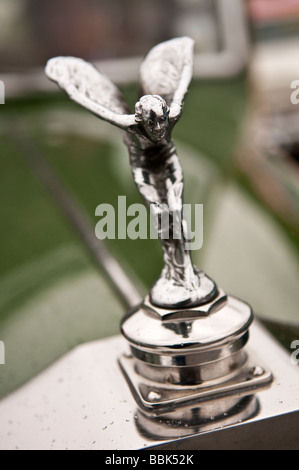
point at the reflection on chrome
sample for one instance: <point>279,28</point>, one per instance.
<point>197,419</point>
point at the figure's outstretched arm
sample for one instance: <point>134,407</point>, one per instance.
<point>88,87</point>
<point>123,121</point>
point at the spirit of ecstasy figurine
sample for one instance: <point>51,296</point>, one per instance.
<point>187,338</point>
<point>164,79</point>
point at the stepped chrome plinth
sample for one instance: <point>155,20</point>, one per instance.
<point>192,365</point>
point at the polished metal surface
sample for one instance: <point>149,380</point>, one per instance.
<point>196,419</point>
<point>84,402</point>
<point>227,323</point>
<point>180,361</point>
<point>157,398</point>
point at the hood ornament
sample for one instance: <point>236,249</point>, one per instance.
<point>187,339</point>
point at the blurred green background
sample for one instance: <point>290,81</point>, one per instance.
<point>53,296</point>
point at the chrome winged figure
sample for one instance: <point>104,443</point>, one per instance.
<point>165,75</point>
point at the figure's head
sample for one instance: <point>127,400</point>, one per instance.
<point>152,112</point>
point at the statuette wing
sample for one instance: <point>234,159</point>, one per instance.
<point>167,70</point>
<point>89,87</point>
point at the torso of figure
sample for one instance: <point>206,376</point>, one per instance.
<point>147,153</point>
<point>155,165</point>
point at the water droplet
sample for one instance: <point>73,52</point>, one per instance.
<point>257,371</point>
<point>154,396</point>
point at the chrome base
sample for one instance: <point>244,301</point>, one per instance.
<point>201,346</point>
<point>197,419</point>
<point>191,365</point>
<point>155,398</point>
<point>172,411</point>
